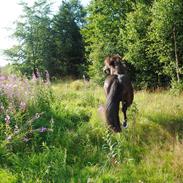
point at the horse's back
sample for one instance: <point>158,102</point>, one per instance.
<point>108,82</point>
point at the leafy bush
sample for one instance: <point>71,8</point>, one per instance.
<point>77,85</point>
<point>176,87</point>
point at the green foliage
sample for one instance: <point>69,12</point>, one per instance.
<point>135,40</point>
<point>75,41</point>
<point>33,34</point>
<point>101,33</point>
<point>60,135</point>
<point>166,41</point>
<point>68,50</point>
<point>24,119</point>
<point>176,87</point>
<point>47,41</point>
<point>8,70</point>
<point>146,33</point>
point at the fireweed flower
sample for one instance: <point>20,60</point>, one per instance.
<point>15,88</point>
<point>16,130</point>
<point>37,116</point>
<point>1,108</point>
<point>43,129</point>
<point>47,77</point>
<point>7,119</point>
<point>101,108</point>
<point>2,78</point>
<point>9,137</point>
<point>25,139</point>
<point>33,76</point>
<point>22,106</point>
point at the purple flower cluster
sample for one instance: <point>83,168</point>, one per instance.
<point>36,76</point>
<point>18,92</point>
<point>43,129</point>
<point>7,119</point>
<point>16,89</point>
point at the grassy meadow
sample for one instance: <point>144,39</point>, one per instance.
<point>56,133</point>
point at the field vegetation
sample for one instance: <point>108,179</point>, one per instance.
<point>56,133</point>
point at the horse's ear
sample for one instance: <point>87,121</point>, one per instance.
<point>107,60</point>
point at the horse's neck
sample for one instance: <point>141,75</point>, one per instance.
<point>120,69</point>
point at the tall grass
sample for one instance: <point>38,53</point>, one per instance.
<point>62,137</point>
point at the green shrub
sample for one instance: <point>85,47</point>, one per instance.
<point>77,85</point>
<point>176,87</point>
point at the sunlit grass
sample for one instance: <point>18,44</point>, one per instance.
<point>153,138</point>
<point>81,149</point>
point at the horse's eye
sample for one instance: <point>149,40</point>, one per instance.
<point>111,63</point>
<point>116,63</point>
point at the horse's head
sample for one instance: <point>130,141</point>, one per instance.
<point>114,65</point>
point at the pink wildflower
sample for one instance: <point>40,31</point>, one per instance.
<point>16,130</point>
<point>43,129</point>
<point>22,106</point>
<point>1,108</point>
<point>8,138</point>
<point>7,119</point>
<point>25,139</point>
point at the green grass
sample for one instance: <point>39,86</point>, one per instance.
<point>81,149</point>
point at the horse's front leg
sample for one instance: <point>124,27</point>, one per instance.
<point>124,109</point>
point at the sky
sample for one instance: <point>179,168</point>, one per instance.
<point>9,13</point>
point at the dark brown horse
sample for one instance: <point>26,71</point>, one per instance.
<point>118,88</point>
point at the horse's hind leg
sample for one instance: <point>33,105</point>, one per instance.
<point>124,109</point>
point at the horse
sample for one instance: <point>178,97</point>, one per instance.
<point>118,88</point>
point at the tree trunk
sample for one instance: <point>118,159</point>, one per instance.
<point>176,54</point>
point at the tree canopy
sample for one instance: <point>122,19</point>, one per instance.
<point>51,42</point>
<point>148,34</point>
<point>75,40</point>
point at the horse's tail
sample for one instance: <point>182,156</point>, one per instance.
<point>112,106</point>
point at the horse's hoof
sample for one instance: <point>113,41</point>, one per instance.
<point>125,124</point>
<point>117,130</point>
